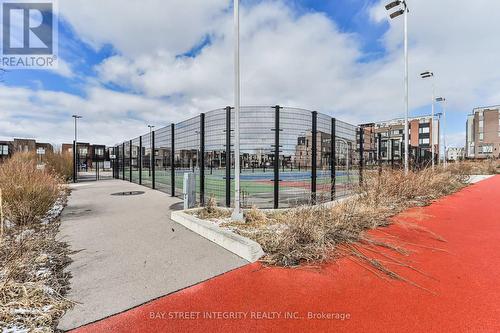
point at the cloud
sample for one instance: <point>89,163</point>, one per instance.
<point>289,57</point>
<point>143,26</point>
<point>24,112</point>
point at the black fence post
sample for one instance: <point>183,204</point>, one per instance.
<point>172,160</point>
<point>152,161</point>
<point>314,156</point>
<point>74,162</point>
<point>139,158</point>
<point>333,159</point>
<point>228,156</point>
<point>361,154</point>
<point>276,156</point>
<point>379,152</point>
<point>123,161</point>
<point>392,153</point>
<point>202,159</point>
<point>130,161</point>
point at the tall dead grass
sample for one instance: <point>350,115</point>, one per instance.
<point>317,233</point>
<point>32,280</point>
<point>28,193</point>
<point>60,164</point>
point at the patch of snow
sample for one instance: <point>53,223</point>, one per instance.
<point>55,211</point>
<point>24,234</point>
<point>15,329</point>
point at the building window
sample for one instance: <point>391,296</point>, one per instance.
<point>424,141</point>
<point>424,129</point>
<point>481,124</point>
<point>481,136</point>
<point>4,150</point>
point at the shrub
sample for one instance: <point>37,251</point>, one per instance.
<point>28,193</point>
<point>60,164</point>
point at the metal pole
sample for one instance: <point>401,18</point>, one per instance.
<point>276,155</point>
<point>202,159</point>
<point>172,160</point>
<point>333,158</point>
<point>314,156</point>
<point>228,156</point>
<point>361,154</point>
<point>444,134</point>
<point>406,85</point>
<point>152,166</point>
<point>237,213</point>
<point>432,125</point>
<point>139,158</point>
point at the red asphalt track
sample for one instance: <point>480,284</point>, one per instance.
<point>458,284</point>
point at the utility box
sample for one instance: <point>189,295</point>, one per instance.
<point>189,190</point>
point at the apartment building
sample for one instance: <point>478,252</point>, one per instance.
<point>7,148</point>
<point>87,153</point>
<point>483,133</point>
<point>392,137</point>
<point>455,153</point>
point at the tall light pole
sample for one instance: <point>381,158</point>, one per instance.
<point>150,148</point>
<point>443,101</point>
<point>403,10</point>
<point>427,75</point>
<point>237,214</point>
<point>76,117</point>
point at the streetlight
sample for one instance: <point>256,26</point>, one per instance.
<point>427,75</point>
<point>237,214</point>
<point>75,149</point>
<point>443,101</point>
<point>150,148</point>
<point>403,10</point>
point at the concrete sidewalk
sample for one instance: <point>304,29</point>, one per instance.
<point>131,251</point>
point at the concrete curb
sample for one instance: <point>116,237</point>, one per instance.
<point>474,179</point>
<point>239,245</point>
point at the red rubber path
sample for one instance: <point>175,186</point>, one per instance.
<point>461,292</point>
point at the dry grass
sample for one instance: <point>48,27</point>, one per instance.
<point>60,164</point>
<point>314,234</point>
<point>32,281</point>
<point>211,211</point>
<point>482,167</point>
<point>28,193</point>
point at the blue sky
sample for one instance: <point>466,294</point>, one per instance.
<point>179,61</point>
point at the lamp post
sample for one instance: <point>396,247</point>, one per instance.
<point>237,214</point>
<point>443,101</point>
<point>150,148</point>
<point>403,10</point>
<point>430,75</point>
<point>76,117</point>
<point>438,115</point>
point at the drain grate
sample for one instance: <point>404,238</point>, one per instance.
<point>128,193</point>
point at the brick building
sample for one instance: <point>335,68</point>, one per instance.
<point>7,148</point>
<point>392,137</point>
<point>483,133</point>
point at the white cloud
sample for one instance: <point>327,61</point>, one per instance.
<point>289,58</point>
<point>138,26</point>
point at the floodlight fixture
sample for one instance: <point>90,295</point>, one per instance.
<point>397,13</point>
<point>392,4</point>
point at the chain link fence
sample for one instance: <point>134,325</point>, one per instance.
<point>289,157</point>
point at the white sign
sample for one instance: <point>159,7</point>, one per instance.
<point>40,151</point>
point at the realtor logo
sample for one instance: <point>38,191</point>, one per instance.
<point>29,34</point>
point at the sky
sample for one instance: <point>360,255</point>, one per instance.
<point>162,61</point>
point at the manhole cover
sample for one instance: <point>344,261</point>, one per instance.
<point>129,193</point>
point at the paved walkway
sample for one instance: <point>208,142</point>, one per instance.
<point>131,251</point>
<point>458,287</point>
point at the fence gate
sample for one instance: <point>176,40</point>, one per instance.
<point>91,164</point>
